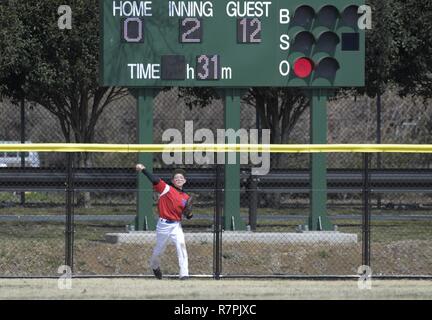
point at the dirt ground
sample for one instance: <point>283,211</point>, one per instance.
<point>23,258</point>
<point>209,289</point>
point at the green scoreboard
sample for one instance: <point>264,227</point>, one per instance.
<point>221,43</point>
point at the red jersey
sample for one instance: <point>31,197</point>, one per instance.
<point>171,201</point>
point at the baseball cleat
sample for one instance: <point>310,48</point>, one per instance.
<point>158,273</point>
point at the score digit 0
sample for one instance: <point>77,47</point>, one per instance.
<point>132,30</point>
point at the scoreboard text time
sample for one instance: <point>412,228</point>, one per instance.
<point>221,43</point>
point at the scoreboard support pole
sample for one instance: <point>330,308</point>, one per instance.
<point>232,219</point>
<point>145,219</point>
<point>318,219</point>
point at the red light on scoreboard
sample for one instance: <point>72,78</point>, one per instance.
<point>303,67</point>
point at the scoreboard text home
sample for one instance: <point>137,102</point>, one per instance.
<point>221,43</point>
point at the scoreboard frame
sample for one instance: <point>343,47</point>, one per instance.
<point>310,47</point>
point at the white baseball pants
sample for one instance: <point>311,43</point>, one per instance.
<point>174,232</point>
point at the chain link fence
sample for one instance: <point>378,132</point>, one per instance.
<point>40,231</point>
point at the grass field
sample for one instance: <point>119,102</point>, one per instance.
<point>225,289</point>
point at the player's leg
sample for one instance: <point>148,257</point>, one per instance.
<point>162,235</point>
<point>177,236</point>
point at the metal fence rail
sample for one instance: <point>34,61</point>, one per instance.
<point>277,180</point>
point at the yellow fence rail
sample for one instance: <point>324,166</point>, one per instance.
<point>271,148</point>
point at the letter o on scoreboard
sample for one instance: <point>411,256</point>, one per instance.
<point>284,68</point>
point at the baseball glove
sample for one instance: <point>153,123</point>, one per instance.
<point>187,211</point>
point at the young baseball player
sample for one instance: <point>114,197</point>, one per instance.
<point>173,203</point>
